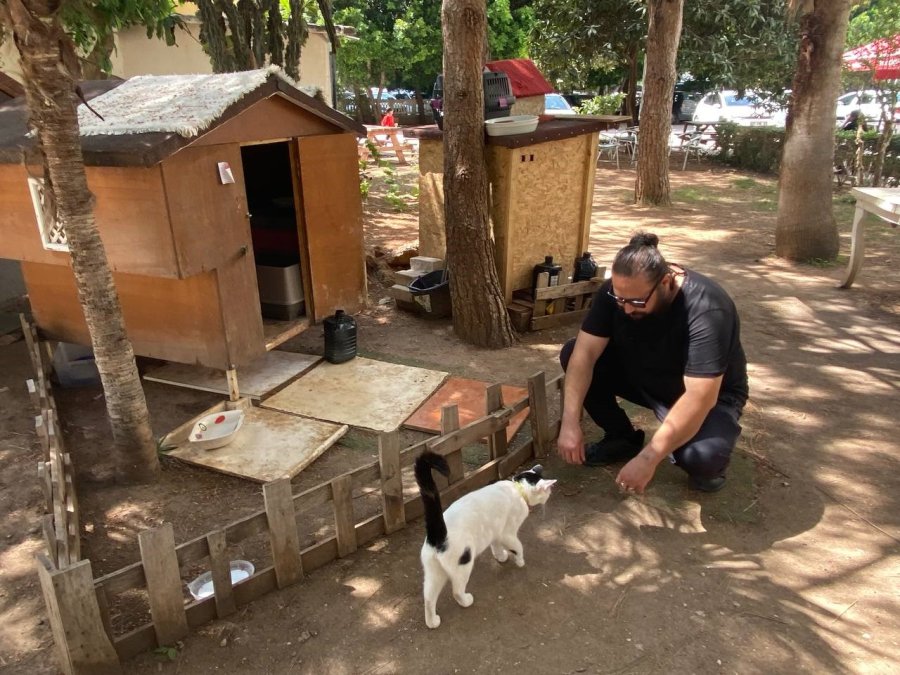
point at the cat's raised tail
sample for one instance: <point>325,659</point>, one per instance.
<point>435,528</point>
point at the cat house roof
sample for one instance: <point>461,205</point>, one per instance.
<point>524,77</point>
<point>143,120</point>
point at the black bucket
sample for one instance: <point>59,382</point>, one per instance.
<point>432,293</point>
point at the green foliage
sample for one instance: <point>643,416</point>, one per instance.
<point>251,33</point>
<point>753,148</point>
<point>92,24</point>
<point>872,20</point>
<point>733,43</point>
<point>400,43</point>
<point>759,149</point>
<point>166,652</point>
<point>606,104</point>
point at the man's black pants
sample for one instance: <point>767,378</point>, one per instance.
<point>706,455</point>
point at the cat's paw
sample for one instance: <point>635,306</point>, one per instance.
<point>465,600</point>
<point>501,556</point>
<point>520,561</point>
<point>433,623</point>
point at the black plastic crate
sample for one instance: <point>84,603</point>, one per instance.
<point>498,97</point>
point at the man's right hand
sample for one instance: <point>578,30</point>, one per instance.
<point>570,444</point>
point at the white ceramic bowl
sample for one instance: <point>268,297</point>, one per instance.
<point>508,126</point>
<point>216,429</point>
<point>202,586</point>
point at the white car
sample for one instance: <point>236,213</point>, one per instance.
<point>866,101</point>
<point>555,104</point>
<point>748,110</point>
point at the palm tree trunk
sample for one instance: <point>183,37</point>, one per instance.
<point>48,62</point>
<point>479,311</point>
<point>806,228</point>
<point>663,34</point>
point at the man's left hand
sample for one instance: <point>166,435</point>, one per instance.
<point>635,475</point>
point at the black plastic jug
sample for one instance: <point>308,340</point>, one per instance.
<point>552,270</point>
<point>585,268</point>
<point>340,337</point>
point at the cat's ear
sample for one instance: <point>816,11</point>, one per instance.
<point>546,484</point>
<point>537,469</point>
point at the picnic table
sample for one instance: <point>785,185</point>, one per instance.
<point>884,203</point>
<point>387,138</point>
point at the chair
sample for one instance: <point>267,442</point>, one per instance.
<point>610,146</point>
<point>692,144</point>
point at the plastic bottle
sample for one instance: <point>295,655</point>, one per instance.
<point>340,337</point>
<point>585,268</point>
<point>553,271</point>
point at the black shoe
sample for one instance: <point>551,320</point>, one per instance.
<point>614,449</point>
<point>706,484</point>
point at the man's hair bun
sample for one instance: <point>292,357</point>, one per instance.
<point>644,239</point>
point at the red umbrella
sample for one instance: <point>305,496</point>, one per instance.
<point>881,56</point>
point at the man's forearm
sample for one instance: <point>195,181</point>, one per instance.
<point>579,373</point>
<point>681,424</point>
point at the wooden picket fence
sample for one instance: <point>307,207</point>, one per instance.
<point>78,604</point>
<point>56,475</point>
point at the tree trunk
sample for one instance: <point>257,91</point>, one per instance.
<point>806,228</point>
<point>663,34</point>
<point>479,310</point>
<point>631,86</point>
<point>48,64</point>
<point>884,141</point>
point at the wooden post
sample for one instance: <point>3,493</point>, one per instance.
<point>449,424</point>
<point>163,584</point>
<point>391,481</point>
<point>234,392</point>
<point>342,499</point>
<point>540,306</point>
<point>283,532</point>
<point>538,416</point>
<point>220,567</point>
<point>81,640</point>
<point>494,402</point>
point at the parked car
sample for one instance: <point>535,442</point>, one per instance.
<point>683,106</point>
<point>556,104</point>
<point>750,110</point>
<point>865,101</point>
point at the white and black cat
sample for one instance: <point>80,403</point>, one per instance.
<point>490,516</point>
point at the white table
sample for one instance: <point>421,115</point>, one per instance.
<point>884,203</point>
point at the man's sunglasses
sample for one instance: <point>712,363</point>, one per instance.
<point>637,303</point>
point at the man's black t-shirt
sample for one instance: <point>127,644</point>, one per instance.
<point>699,335</point>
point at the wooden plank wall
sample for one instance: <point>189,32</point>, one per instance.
<point>276,520</point>
<point>274,119</point>
<point>210,221</point>
<point>333,216</point>
<point>173,319</point>
<point>130,210</point>
<point>546,210</point>
<point>432,237</point>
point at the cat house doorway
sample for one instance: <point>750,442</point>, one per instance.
<point>277,228</point>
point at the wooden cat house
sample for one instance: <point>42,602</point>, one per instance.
<point>228,204</point>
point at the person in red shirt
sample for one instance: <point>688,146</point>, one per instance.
<point>388,119</point>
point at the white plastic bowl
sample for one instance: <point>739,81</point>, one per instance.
<point>216,429</point>
<point>202,586</point>
<point>508,126</point>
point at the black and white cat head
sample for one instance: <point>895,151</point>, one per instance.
<point>536,487</point>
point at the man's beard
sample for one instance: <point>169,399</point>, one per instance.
<point>648,323</point>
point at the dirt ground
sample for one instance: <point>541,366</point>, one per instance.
<point>794,567</point>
